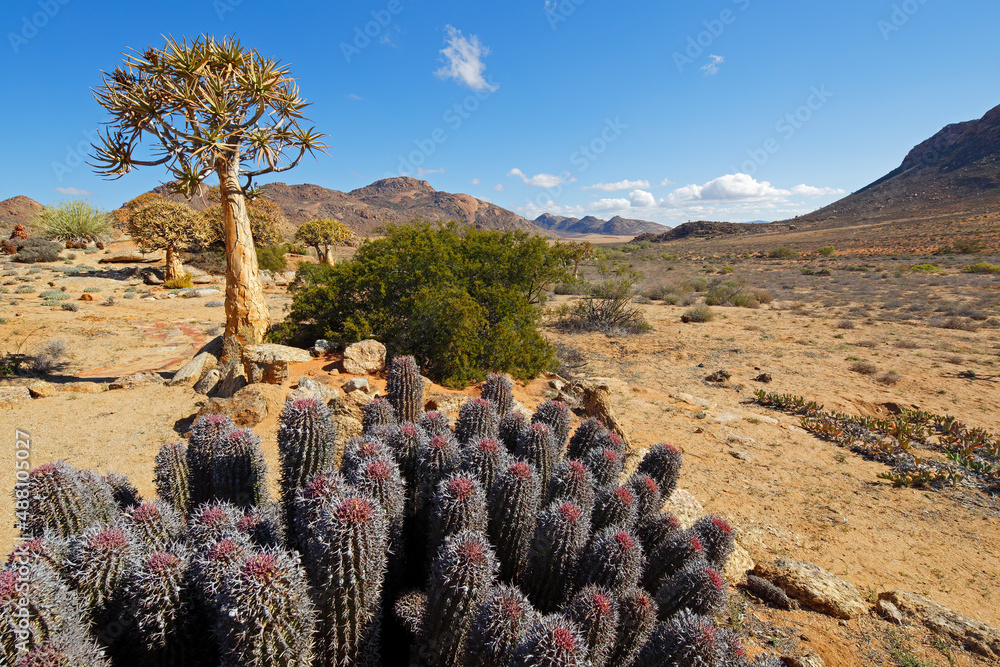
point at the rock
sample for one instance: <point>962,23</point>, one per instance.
<point>131,257</point>
<point>135,380</point>
<point>804,660</point>
<point>201,291</point>
<point>356,384</point>
<point>595,397</point>
<point>87,297</point>
<point>280,280</point>
<point>321,348</point>
<point>191,372</point>
<point>247,407</point>
<point>814,587</point>
<point>269,363</point>
<point>310,388</point>
<point>213,347</point>
<point>345,411</point>
<point>719,376</point>
<point>83,387</point>
<point>134,282</point>
<point>763,377</point>
<point>740,455</point>
<point>41,389</point>
<point>737,565</point>
<point>977,637</point>
<point>288,275</point>
<point>889,612</point>
<point>365,357</point>
<point>231,382</point>
<point>446,403</point>
<point>12,395</point>
<point>208,381</point>
<point>694,400</point>
<point>557,384</point>
<point>151,278</point>
<point>683,505</point>
<point>726,417</point>
<point>203,280</point>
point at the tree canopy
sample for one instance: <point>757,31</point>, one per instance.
<point>324,234</point>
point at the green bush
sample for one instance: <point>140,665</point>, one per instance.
<point>734,293</point>
<point>782,253</point>
<point>982,267</point>
<point>271,258</point>
<point>925,268</point>
<point>463,301</point>
<point>698,314</point>
<point>609,307</point>
<point>54,294</point>
<point>75,221</point>
<point>827,251</point>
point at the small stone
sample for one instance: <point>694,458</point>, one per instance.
<point>151,278</point>
<point>815,587</point>
<point>41,389</point>
<point>208,381</point>
<point>763,377</point>
<point>310,388</point>
<point>448,404</point>
<point>202,280</point>
<point>741,455</point>
<point>87,297</point>
<point>321,348</point>
<point>11,395</point>
<point>356,384</point>
<point>280,280</point>
<point>136,380</point>
<point>719,376</point>
<point>968,632</point>
<point>889,612</point>
<point>367,356</point>
<point>557,384</point>
<point>83,387</point>
<point>805,660</point>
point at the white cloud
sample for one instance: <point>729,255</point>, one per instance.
<point>531,210</point>
<point>353,97</point>
<point>498,187</point>
<point>423,172</point>
<point>712,67</point>
<point>812,191</point>
<point>728,188</point>
<point>463,60</point>
<point>641,199</point>
<point>474,181</point>
<point>665,182</point>
<point>540,180</point>
<point>73,191</point>
<point>602,205</point>
<point>620,185</point>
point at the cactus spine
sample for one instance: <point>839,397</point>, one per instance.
<point>99,565</point>
<point>171,476</point>
<point>595,612</point>
<point>559,539</point>
<point>477,419</point>
<point>435,423</point>
<point>615,506</point>
<point>653,529</point>
<point>405,388</point>
<point>499,390</point>
<point>57,501</point>
<point>500,622</point>
<point>555,415</point>
<point>585,438</point>
<point>636,618</point>
<point>239,473</point>
<point>156,523</point>
<point>161,599</point>
<point>717,539</point>
<point>572,480</point>
<point>553,641</point>
<point>306,446</point>
<point>698,587</point>
<point>613,559</point>
<point>536,446</point>
<point>376,413</point>
<point>663,463</point>
<point>513,507</point>
<point>123,491</point>
<point>483,459</point>
<point>647,494</point>
<point>459,504</point>
<point>605,466</point>
<point>207,436</point>
<point>510,429</point>
<point>687,640</point>
<point>436,460</point>
<point>670,557</point>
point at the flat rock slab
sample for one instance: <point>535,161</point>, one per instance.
<point>191,372</point>
<point>814,587</point>
<point>11,395</point>
<point>970,633</point>
<point>201,291</point>
<point>143,379</point>
<point>365,357</point>
<point>268,363</point>
<point>131,257</point>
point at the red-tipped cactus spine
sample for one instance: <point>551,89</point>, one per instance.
<point>550,568</point>
<point>605,465</point>
<point>572,480</point>
<point>686,640</point>
<point>716,537</point>
<point>613,559</point>
<point>405,388</point>
<point>555,415</point>
<point>306,446</point>
<point>498,390</point>
<point>161,598</point>
<point>663,463</point>
<point>585,438</point>
<point>647,494</point>
<point>172,477</point>
<point>537,446</point>
<point>670,557</point>
<point>239,474</point>
<point>207,436</point>
<point>57,501</point>
<point>459,504</point>
<point>376,413</point>
<point>636,619</point>
<point>595,612</point>
<point>698,587</point>
<point>553,641</point>
<point>477,419</point>
<point>483,459</point>
<point>513,506</point>
<point>156,523</point>
<point>498,626</point>
<point>615,506</point>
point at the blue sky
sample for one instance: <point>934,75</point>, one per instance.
<point>666,111</point>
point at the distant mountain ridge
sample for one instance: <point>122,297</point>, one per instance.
<point>18,210</point>
<point>616,226</point>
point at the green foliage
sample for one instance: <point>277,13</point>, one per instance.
<point>827,251</point>
<point>698,314</point>
<point>165,224</point>
<point>271,258</point>
<point>925,268</point>
<point>733,292</point>
<point>782,253</point>
<point>982,267</point>
<point>463,301</point>
<point>609,307</point>
<point>323,234</point>
<point>75,220</point>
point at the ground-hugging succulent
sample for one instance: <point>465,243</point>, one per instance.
<point>536,446</point>
<point>435,423</point>
<point>462,575</point>
<point>499,390</point>
<point>265,616</point>
<point>57,501</point>
<point>595,612</point>
<point>483,459</point>
<point>613,559</point>
<point>604,465</point>
<point>686,640</point>
<point>636,619</point>
<point>513,507</point>
<point>510,429</point>
<point>571,479</point>
<point>615,506</point>
<point>670,557</point>
<point>405,389</point>
<point>207,436</point>
<point>377,412</point>
<point>585,437</point>
<point>306,445</point>
<point>239,475</point>
<point>172,478</point>
<point>717,539</point>
<point>554,414</point>
<point>459,504</point>
<point>663,463</point>
<point>123,491</point>
<point>647,494</point>
<point>698,587</point>
<point>345,558</point>
<point>552,641</point>
<point>560,537</point>
<point>499,624</point>
<point>477,419</point>
<point>156,523</point>
<point>161,598</point>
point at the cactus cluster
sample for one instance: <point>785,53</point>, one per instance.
<point>504,540</point>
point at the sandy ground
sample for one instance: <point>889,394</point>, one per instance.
<point>789,493</point>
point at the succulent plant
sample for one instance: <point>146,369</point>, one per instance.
<point>510,429</point>
<point>686,640</point>
<point>410,609</point>
<point>435,423</point>
<point>555,415</point>
<point>156,523</point>
<point>346,557</point>
<point>613,559</point>
<point>172,477</point>
<point>358,451</point>
<point>123,491</point>
<point>65,649</point>
<point>768,593</point>
<point>377,412</point>
<point>717,539</point>
<point>461,577</point>
<point>663,463</point>
<point>670,557</point>
<point>477,419</point>
<point>266,618</point>
<point>483,458</point>
<point>306,445</point>
<point>536,446</point>
<point>499,624</point>
<point>459,504</point>
<point>513,507</point>
<point>436,460</point>
<point>57,501</point>
<point>405,389</point>
<point>100,497</point>
<point>698,587</point>
<point>499,390</point>
<point>636,619</point>
<point>210,566</point>
<point>653,529</point>
<point>207,436</point>
<point>647,494</point>
<point>404,441</point>
<point>604,465</point>
<point>552,641</point>
<point>595,612</point>
<point>550,568</point>
<point>239,475</point>
<point>571,479</point>
<point>262,525</point>
<point>615,506</point>
<point>161,599</point>
<point>613,441</point>
<point>211,522</point>
<point>99,564</point>
<point>585,437</point>
<point>309,500</point>
<point>379,478</point>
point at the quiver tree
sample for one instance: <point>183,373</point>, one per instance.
<point>167,225</point>
<point>324,235</point>
<point>211,107</point>
<point>266,217</point>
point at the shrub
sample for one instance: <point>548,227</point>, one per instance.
<point>54,294</point>
<point>968,246</point>
<point>608,308</point>
<point>735,293</point>
<point>698,314</point>
<point>889,378</point>
<point>827,251</point>
<point>782,253</point>
<point>170,226</point>
<point>864,367</point>
<point>463,301</point>
<point>182,281</point>
<point>36,249</point>
<point>90,290</point>
<point>981,267</point>
<point>75,221</point>
<point>72,307</point>
<point>845,324</point>
<point>324,235</point>
<point>925,268</point>
<point>271,258</point>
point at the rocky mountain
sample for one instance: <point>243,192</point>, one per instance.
<point>705,229</point>
<point>390,200</point>
<point>19,209</point>
<point>616,226</point>
<point>956,171</point>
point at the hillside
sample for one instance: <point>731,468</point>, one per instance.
<point>19,209</point>
<point>616,226</point>
<point>706,229</point>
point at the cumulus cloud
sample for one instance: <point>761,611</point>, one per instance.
<point>532,210</point>
<point>665,182</point>
<point>602,205</point>
<point>423,172</point>
<point>711,68</point>
<point>73,191</point>
<point>641,199</point>
<point>463,60</point>
<point>728,188</point>
<point>812,191</point>
<point>474,181</point>
<point>498,187</point>
<point>620,185</point>
<point>539,180</point>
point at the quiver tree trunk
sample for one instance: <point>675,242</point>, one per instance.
<point>174,268</point>
<point>246,310</point>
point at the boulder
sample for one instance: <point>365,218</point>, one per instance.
<point>977,637</point>
<point>86,297</point>
<point>247,407</point>
<point>152,278</point>
<point>12,395</point>
<point>135,380</point>
<point>345,411</point>
<point>683,505</point>
<point>280,280</point>
<point>230,382</point>
<point>208,381</point>
<point>356,384</point>
<point>191,372</point>
<point>814,587</point>
<point>448,404</point>
<point>201,291</point>
<point>269,363</point>
<point>132,256</point>
<point>203,280</point>
<point>310,388</point>
<point>321,348</point>
<point>41,389</point>
<point>365,357</point>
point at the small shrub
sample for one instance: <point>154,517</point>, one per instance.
<point>845,324</point>
<point>668,256</point>
<point>25,289</point>
<point>91,251</point>
<point>181,282</point>
<point>91,290</point>
<point>827,251</point>
<point>271,258</point>
<point>698,314</point>
<point>70,256</point>
<point>864,367</point>
<point>695,285</point>
<point>982,267</point>
<point>128,295</point>
<point>954,322</point>
<point>72,307</point>
<point>889,378</point>
<point>906,344</point>
<point>568,288</point>
<point>75,221</point>
<point>54,295</point>
<point>925,268</point>
<point>782,253</point>
<point>607,308</point>
<point>968,246</point>
<point>34,269</point>
<point>36,249</point>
